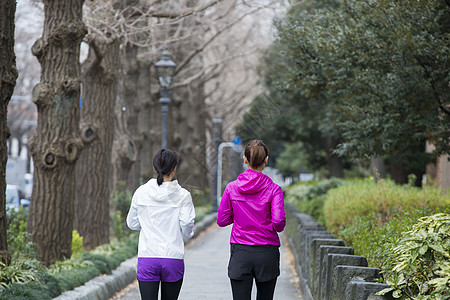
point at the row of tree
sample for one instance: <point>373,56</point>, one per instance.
<point>99,120</point>
<point>356,79</point>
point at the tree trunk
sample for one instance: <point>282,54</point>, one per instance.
<point>334,162</point>
<point>56,144</point>
<point>132,76</point>
<point>147,112</point>
<point>398,173</point>
<point>125,148</point>
<point>189,135</point>
<point>443,172</point>
<point>8,76</point>
<point>93,170</point>
<point>378,168</point>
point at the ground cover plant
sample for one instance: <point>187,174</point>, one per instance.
<point>420,260</point>
<point>27,278</point>
<point>403,230</point>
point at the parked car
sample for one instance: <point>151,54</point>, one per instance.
<point>27,185</point>
<point>14,199</point>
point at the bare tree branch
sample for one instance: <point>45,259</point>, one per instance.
<point>212,38</point>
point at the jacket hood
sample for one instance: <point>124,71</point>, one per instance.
<point>163,192</point>
<point>252,182</point>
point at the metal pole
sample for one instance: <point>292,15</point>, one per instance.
<point>219,169</point>
<point>164,109</point>
<point>217,133</point>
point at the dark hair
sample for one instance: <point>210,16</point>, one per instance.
<point>164,162</point>
<point>256,152</point>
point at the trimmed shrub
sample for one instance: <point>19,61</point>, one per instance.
<point>310,197</point>
<point>397,229</point>
<point>370,235</point>
<point>364,197</point>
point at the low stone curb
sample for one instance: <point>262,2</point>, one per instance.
<point>105,286</point>
<point>327,269</point>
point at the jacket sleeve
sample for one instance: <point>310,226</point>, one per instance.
<point>187,217</point>
<point>278,214</point>
<point>225,215</point>
<point>132,218</point>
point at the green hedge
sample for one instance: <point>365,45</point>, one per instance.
<point>364,197</point>
<point>26,278</point>
<point>309,197</point>
<point>403,230</point>
<point>369,235</point>
<point>412,249</point>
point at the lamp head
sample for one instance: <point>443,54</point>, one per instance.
<point>165,70</point>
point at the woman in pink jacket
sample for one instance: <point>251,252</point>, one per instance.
<point>255,207</point>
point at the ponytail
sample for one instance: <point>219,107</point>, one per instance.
<point>256,152</point>
<point>164,162</point>
<point>159,178</point>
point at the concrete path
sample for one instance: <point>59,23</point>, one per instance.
<point>206,262</point>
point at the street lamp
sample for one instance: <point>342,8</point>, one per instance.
<point>217,134</point>
<point>165,70</point>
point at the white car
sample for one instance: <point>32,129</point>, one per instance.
<point>27,185</point>
<point>13,200</point>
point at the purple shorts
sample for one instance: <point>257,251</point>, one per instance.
<point>160,269</point>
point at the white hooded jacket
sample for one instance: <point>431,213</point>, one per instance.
<point>164,214</point>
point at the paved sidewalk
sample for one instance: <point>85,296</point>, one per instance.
<point>206,262</point>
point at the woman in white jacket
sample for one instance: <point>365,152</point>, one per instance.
<point>164,213</point>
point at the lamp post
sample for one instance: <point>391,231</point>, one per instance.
<point>217,134</point>
<point>165,70</point>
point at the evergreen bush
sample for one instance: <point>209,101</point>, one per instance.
<point>370,234</point>
<point>310,197</point>
<point>398,230</point>
<point>26,278</point>
<point>364,197</point>
<point>420,260</point>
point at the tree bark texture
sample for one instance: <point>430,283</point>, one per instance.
<point>151,142</point>
<point>443,172</point>
<point>125,148</point>
<point>398,173</point>
<point>56,144</point>
<point>130,65</point>
<point>378,167</point>
<point>8,76</point>
<point>93,168</point>
<point>189,135</point>
<point>334,162</point>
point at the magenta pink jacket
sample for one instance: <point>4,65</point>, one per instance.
<point>255,207</point>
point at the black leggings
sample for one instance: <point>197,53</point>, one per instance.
<point>169,290</point>
<point>242,289</point>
